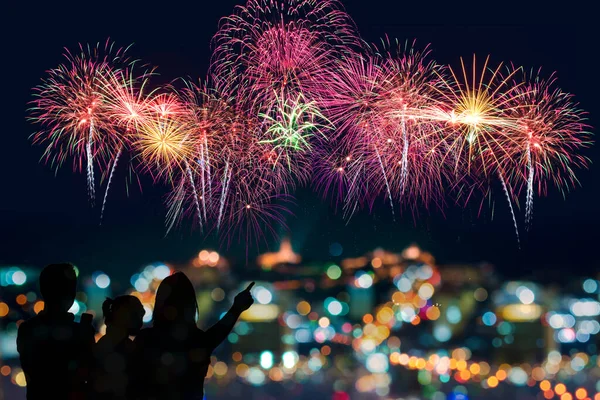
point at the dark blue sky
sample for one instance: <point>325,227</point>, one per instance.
<point>46,218</point>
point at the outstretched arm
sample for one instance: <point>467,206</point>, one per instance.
<point>219,331</point>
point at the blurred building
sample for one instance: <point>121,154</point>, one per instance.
<point>380,325</point>
<point>521,336</point>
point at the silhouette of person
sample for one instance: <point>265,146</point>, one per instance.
<point>111,372</point>
<point>55,351</point>
<point>172,357</point>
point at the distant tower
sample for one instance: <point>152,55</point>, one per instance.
<point>285,255</point>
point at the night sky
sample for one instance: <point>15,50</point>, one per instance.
<point>47,218</point>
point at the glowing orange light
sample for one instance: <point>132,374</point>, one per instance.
<point>203,255</point>
<point>432,313</point>
<point>560,389</point>
<point>276,374</point>
<point>403,359</point>
<point>501,375</point>
<point>39,306</point>
<point>324,322</point>
<point>303,308</point>
<point>3,309</point>
<point>461,365</point>
<point>465,375</point>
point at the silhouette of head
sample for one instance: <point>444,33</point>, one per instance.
<point>125,312</point>
<point>58,284</point>
<point>175,301</point>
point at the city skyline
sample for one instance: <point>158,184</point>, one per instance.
<point>454,329</point>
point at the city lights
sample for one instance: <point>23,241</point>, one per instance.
<point>266,359</point>
<point>262,295</point>
<point>334,272</point>
<point>101,280</point>
<point>310,324</point>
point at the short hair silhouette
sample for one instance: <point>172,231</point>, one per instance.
<point>175,301</point>
<point>58,285</point>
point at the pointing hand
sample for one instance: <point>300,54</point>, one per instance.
<point>244,299</point>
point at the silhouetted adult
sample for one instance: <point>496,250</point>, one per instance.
<point>172,357</point>
<point>55,350</point>
<point>111,371</point>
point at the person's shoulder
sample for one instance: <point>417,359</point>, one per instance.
<point>30,324</point>
<point>145,334</point>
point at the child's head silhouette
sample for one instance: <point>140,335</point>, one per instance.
<point>124,312</point>
<point>58,284</point>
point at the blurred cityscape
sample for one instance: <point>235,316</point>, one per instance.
<point>382,325</point>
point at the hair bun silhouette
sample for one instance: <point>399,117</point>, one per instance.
<point>107,308</point>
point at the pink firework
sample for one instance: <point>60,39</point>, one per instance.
<point>268,47</point>
<point>127,108</point>
<point>353,96</point>
<point>548,136</point>
<point>208,116</point>
<point>295,96</point>
<point>413,148</point>
<point>380,103</point>
<point>163,138</point>
<point>71,107</point>
<point>474,110</point>
<point>247,175</point>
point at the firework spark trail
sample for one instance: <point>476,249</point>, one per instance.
<point>529,200</point>
<point>512,212</point>
<point>404,171</point>
<point>226,180</point>
<point>208,167</point>
<point>110,176</point>
<point>387,185</point>
<point>90,162</point>
<point>174,210</point>
<point>203,180</point>
<point>347,201</point>
<point>195,193</point>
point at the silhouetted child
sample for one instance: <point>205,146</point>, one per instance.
<point>55,351</point>
<point>123,317</point>
<point>172,358</point>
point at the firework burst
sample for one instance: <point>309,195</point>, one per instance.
<point>294,96</point>
<point>71,107</point>
<point>548,136</point>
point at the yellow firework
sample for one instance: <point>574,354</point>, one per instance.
<point>165,144</point>
<point>480,106</point>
